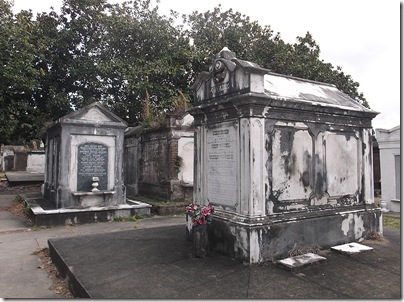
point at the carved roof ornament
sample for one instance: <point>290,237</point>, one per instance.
<point>222,64</point>
<point>225,53</point>
<point>219,71</point>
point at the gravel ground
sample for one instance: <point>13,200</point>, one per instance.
<point>59,285</point>
<point>5,188</point>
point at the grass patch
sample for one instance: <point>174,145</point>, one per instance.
<point>391,222</point>
<point>159,202</point>
<point>18,198</point>
<point>27,209</point>
<point>129,219</point>
<point>163,207</point>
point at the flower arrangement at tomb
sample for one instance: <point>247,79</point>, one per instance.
<point>200,215</point>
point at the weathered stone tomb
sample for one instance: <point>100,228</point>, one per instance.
<point>286,162</point>
<point>158,161</point>
<point>390,166</point>
<point>36,161</point>
<point>84,159</point>
<point>9,161</point>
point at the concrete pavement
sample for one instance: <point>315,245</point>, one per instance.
<point>20,276</point>
<point>157,263</point>
<point>19,273</point>
<point>150,258</point>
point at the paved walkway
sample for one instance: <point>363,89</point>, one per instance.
<point>20,276</point>
<point>150,258</point>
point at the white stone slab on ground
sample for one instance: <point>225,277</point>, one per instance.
<point>300,261</point>
<point>351,248</point>
<point>21,176</point>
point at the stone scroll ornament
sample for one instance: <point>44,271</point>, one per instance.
<point>219,71</point>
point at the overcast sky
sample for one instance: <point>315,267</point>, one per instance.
<point>361,36</point>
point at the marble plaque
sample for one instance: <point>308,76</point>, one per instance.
<point>292,164</point>
<point>342,164</point>
<point>92,161</point>
<point>221,166</point>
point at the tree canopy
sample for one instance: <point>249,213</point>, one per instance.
<point>128,55</point>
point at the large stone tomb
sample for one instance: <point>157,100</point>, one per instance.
<point>159,161</point>
<point>286,162</point>
<point>84,159</point>
<point>83,171</point>
<point>390,166</point>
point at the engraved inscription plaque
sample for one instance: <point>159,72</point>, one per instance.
<point>92,161</point>
<point>221,166</point>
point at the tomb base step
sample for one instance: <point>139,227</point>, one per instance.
<point>269,239</point>
<point>44,214</point>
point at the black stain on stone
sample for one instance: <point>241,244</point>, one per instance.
<point>268,145</point>
<point>305,178</point>
<point>221,238</point>
<point>276,195</point>
<point>289,164</point>
<point>321,178</point>
<point>319,187</point>
<point>286,140</point>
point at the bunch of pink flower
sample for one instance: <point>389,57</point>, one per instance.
<point>200,215</point>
